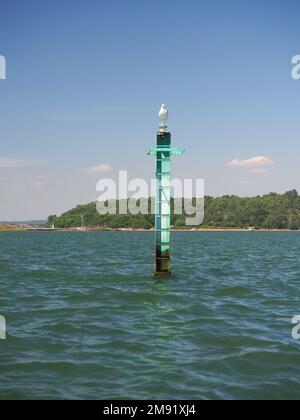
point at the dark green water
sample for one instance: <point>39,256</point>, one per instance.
<point>86,319</point>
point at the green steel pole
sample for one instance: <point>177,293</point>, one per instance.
<point>163,153</point>
<point>163,205</point>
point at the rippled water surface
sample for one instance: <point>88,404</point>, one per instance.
<point>86,319</point>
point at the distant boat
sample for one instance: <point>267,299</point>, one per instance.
<point>251,229</point>
<point>82,223</point>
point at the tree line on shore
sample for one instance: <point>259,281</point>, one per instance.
<point>270,211</point>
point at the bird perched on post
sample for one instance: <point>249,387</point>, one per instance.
<point>163,113</point>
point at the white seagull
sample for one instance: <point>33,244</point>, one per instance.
<point>163,113</point>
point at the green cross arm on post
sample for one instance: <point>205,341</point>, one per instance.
<point>173,150</point>
<point>177,151</point>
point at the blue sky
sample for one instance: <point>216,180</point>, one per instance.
<point>85,80</point>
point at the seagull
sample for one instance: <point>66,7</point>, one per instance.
<point>163,113</point>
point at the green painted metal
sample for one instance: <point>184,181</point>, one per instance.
<point>163,153</point>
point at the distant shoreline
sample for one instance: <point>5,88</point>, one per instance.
<point>48,230</point>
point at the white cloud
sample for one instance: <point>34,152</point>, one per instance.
<point>254,161</point>
<point>98,169</point>
<point>18,163</point>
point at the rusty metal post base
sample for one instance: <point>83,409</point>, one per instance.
<point>162,263</point>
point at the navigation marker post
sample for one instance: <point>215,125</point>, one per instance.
<point>163,153</point>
